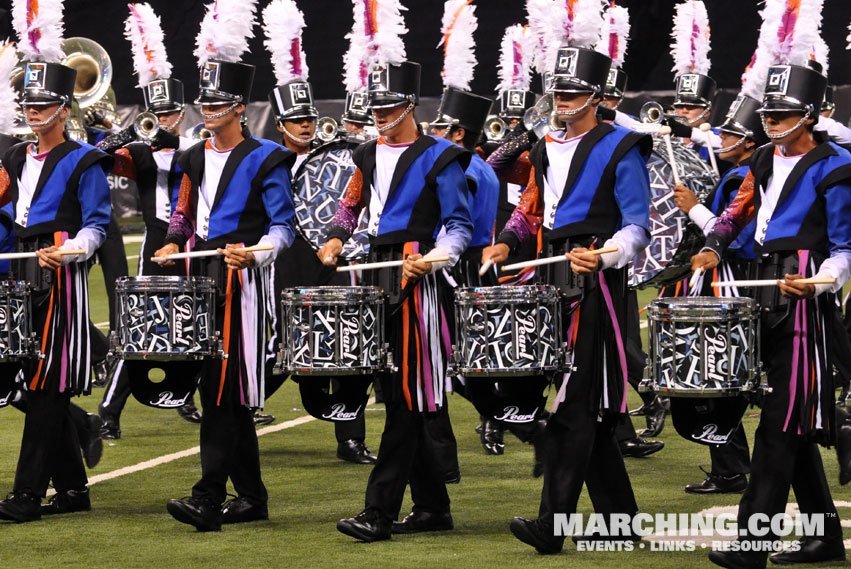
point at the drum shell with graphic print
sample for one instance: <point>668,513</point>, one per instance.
<point>16,334</point>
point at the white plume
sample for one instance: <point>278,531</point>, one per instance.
<point>144,32</point>
<point>544,38</point>
<point>515,59</point>
<point>756,73</point>
<point>848,38</point>
<point>615,36</point>
<point>39,27</point>
<point>821,53</point>
<point>283,24</point>
<point>580,22</point>
<point>790,29</point>
<point>355,59</point>
<point>459,59</point>
<point>690,48</point>
<point>384,27</point>
<point>225,30</point>
<point>8,96</point>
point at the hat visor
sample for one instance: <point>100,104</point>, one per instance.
<point>39,100</point>
<point>386,101</point>
<point>690,102</point>
<point>207,97</point>
<point>780,106</point>
<point>357,119</point>
<point>299,114</point>
<point>566,86</point>
<point>165,108</point>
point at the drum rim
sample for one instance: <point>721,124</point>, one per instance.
<point>331,294</point>
<point>518,294</point>
<point>164,283</point>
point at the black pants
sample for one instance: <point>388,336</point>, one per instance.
<point>229,447</point>
<point>405,457</point>
<point>50,447</point>
<point>116,394</point>
<point>733,458</point>
<point>113,261</point>
<point>783,459</point>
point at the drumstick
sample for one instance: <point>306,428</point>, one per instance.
<point>706,128</point>
<point>386,264</point>
<point>32,254</point>
<point>551,260</point>
<point>666,134</point>
<point>485,267</point>
<point>695,276</point>
<point>208,253</point>
<point>772,282</point>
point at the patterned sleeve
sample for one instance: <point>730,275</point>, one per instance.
<point>735,218</point>
<point>182,223</point>
<point>526,218</point>
<point>124,165</point>
<point>5,194</point>
<point>345,221</point>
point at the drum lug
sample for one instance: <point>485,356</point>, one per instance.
<point>645,386</point>
<point>388,357</point>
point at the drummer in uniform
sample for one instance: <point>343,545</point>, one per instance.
<point>235,191</point>
<point>787,190</point>
<point>603,203</point>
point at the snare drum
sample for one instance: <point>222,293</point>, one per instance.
<point>507,330</point>
<point>333,330</point>
<point>165,318</point>
<point>16,336</point>
<point>703,346</point>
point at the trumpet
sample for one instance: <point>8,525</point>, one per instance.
<point>542,118</point>
<point>495,129</point>
<point>146,125</point>
<point>651,113</point>
<point>327,129</point>
<point>201,133</point>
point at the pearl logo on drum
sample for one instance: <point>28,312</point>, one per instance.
<point>166,400</point>
<point>338,413</point>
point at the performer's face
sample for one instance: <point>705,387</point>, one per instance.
<point>39,113</point>
<point>218,123</point>
<point>690,113</point>
<point>438,131</point>
<point>169,120</point>
<point>728,140</point>
<point>385,116</point>
<point>610,102</point>
<point>564,101</point>
<point>777,122</point>
<point>300,128</point>
<point>353,127</point>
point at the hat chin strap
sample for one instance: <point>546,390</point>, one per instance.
<point>740,142</point>
<point>171,127</point>
<point>395,123</point>
<point>49,119</point>
<point>785,133</point>
<point>575,112</point>
<point>221,114</point>
<point>296,139</point>
<point>699,117</point>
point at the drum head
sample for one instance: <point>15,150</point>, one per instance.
<point>172,391</point>
<point>667,222</point>
<point>512,400</point>
<point>334,400</point>
<point>320,182</point>
<point>708,421</point>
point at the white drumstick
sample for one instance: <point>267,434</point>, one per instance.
<point>208,253</point>
<point>772,282</point>
<point>485,267</point>
<point>695,277</point>
<point>555,259</point>
<point>666,134</point>
<point>706,128</point>
<point>386,264</point>
<point>32,254</point>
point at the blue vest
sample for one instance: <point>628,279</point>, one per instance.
<point>485,200</point>
<point>609,164</point>
<point>811,212</point>
<point>7,235</point>
<point>724,195</point>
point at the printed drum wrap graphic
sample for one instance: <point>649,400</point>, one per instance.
<point>508,330</point>
<point>15,326</point>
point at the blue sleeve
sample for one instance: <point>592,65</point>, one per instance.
<point>278,200</point>
<point>838,200</point>
<point>453,194</point>
<point>93,193</point>
<point>632,190</point>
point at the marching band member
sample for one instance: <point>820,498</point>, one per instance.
<point>154,166</point>
<point>295,113</point>
<point>58,188</point>
<point>788,189</point>
<point>573,173</point>
<point>412,185</point>
<point>235,191</point>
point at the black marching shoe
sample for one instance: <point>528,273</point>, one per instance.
<point>199,512</point>
<point>452,477</point>
<point>418,521</point>
<point>101,377</point>
<point>493,437</point>
<point>811,550</point>
<point>654,417</point>
<point>639,448</point>
<point>738,559</point>
<point>189,412</point>
<point>20,507</point>
<point>355,451</point>
<point>262,419</point>
<point>67,502</point>
<point>367,526</point>
<point>714,484</point>
<point>537,534</point>
<point>111,430</point>
<point>241,510</point>
<point>90,440</point>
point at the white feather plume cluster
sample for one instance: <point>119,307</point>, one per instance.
<point>690,47</point>
<point>821,54</point>
<point>39,27</point>
<point>515,59</point>
<point>225,30</point>
<point>355,60</point>
<point>848,37</point>
<point>144,32</point>
<point>544,40</point>
<point>283,24</point>
<point>755,75</point>
<point>384,26</point>
<point>8,96</point>
<point>615,34</point>
<point>459,47</point>
<point>790,29</point>
<point>580,22</point>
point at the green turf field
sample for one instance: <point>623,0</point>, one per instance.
<point>310,490</point>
